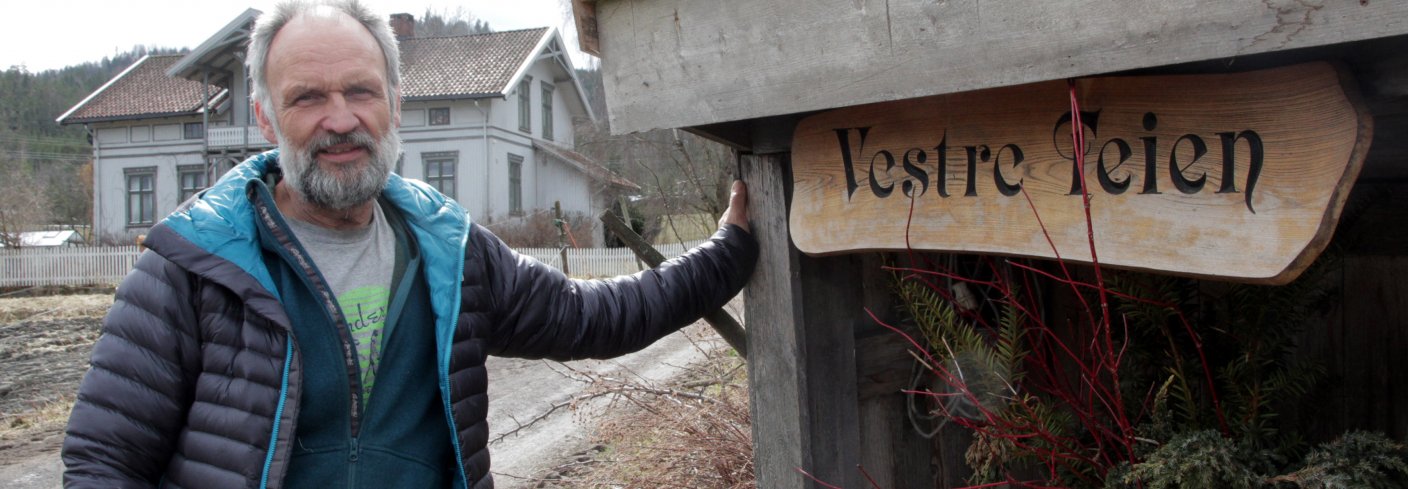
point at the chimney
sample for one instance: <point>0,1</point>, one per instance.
<point>404,26</point>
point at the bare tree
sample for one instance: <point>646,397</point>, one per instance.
<point>24,204</point>
<point>684,178</point>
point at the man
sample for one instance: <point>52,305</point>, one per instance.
<point>314,321</point>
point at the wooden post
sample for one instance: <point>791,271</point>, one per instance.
<point>801,313</point>
<point>626,217</point>
<point>561,234</point>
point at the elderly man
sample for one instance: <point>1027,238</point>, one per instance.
<point>315,321</point>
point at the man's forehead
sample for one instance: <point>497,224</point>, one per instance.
<point>319,29</point>
<point>322,16</point>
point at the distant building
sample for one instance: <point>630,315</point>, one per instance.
<point>47,239</point>
<point>487,119</point>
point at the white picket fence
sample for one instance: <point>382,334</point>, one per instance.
<point>29,267</point>
<point>600,262</point>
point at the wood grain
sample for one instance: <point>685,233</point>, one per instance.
<point>1313,134</point>
<point>676,63</point>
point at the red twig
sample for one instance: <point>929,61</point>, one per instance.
<point>868,478</point>
<point>1090,390</point>
<point>816,480</point>
<point>1078,150</point>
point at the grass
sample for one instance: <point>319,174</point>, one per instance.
<point>54,307</point>
<point>695,433</point>
<point>686,227</point>
<point>49,416</point>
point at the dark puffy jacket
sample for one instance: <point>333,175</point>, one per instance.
<point>194,382</point>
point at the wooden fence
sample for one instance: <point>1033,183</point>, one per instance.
<point>601,262</point>
<point>29,267</point>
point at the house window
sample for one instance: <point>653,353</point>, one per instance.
<point>141,196</point>
<point>440,171</point>
<point>547,111</point>
<point>193,179</point>
<point>515,184</point>
<point>195,130</point>
<point>440,116</point>
<point>525,105</point>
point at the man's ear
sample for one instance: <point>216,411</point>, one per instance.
<point>265,128</point>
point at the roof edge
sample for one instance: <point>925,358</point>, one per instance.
<point>550,34</point>
<point>454,96</point>
<point>60,120</point>
<point>528,61</point>
<point>566,60</point>
<point>218,40</point>
<point>136,117</point>
<point>598,172</point>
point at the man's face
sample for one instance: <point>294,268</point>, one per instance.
<point>332,112</point>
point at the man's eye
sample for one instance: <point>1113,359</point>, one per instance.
<point>360,93</point>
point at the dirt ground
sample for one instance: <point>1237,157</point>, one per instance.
<point>44,347</point>
<point>45,343</point>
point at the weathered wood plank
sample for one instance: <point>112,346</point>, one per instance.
<point>1376,335</point>
<point>801,356</point>
<point>675,63</point>
<point>772,309</point>
<point>892,453</point>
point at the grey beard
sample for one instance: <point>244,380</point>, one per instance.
<point>331,190</point>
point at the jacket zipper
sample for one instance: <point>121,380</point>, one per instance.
<point>278,413</point>
<point>352,457</point>
<point>304,264</point>
<point>445,368</point>
<point>300,260</point>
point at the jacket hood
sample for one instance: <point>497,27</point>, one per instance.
<point>221,220</point>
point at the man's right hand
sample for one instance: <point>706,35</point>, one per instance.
<point>737,212</point>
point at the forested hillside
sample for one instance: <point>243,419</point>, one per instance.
<point>44,173</point>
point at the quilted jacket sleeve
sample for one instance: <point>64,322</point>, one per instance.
<point>540,313</point>
<point>132,402</point>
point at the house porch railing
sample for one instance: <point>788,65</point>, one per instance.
<point>100,265</point>
<point>235,137</point>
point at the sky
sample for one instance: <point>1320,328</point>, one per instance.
<point>49,34</point>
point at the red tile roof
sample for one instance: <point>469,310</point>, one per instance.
<point>473,65</point>
<point>143,91</point>
<point>479,65</point>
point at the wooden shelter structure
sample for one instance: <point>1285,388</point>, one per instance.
<point>825,378</point>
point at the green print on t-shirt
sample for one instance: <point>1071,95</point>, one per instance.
<point>365,311</point>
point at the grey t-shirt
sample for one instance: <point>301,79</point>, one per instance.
<point>357,264</point>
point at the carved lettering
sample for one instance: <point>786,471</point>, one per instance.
<point>882,191</point>
<point>1181,182</point>
<point>1003,187</point>
<point>1229,158</point>
<point>1115,168</point>
<point>918,174</point>
<point>1107,182</point>
<point>844,135</point>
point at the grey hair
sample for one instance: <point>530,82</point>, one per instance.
<point>269,24</point>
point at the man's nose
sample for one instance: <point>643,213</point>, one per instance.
<point>339,118</point>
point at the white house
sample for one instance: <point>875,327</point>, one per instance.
<point>486,118</point>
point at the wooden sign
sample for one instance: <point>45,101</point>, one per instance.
<point>1238,176</point>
